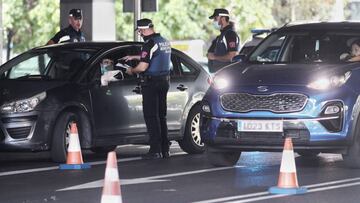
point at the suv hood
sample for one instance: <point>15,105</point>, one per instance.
<point>12,90</point>
<point>280,74</point>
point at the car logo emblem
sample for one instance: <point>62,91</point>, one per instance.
<point>262,88</point>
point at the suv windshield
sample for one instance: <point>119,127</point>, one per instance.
<point>47,64</point>
<point>305,47</point>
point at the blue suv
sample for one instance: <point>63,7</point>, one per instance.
<point>301,82</point>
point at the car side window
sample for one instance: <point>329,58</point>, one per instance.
<point>35,65</point>
<point>180,68</point>
<point>174,69</point>
<point>117,65</point>
<point>270,50</point>
<point>186,69</point>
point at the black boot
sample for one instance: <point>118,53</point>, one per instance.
<point>165,155</point>
<point>151,155</point>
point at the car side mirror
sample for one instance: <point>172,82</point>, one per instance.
<point>239,58</point>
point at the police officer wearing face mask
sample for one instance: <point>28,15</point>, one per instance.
<point>226,45</point>
<point>154,68</point>
<point>73,32</point>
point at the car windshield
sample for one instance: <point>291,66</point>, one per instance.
<point>46,64</point>
<point>305,47</point>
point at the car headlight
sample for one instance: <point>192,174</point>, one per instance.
<point>220,82</point>
<point>24,105</point>
<point>331,82</point>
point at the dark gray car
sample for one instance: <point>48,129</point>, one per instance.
<point>45,89</point>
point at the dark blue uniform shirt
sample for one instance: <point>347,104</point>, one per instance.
<point>68,35</point>
<point>156,51</point>
<point>227,41</point>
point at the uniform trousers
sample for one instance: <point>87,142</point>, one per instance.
<point>154,92</point>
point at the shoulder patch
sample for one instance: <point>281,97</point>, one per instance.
<point>144,54</point>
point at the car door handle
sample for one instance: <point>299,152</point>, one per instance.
<point>137,90</point>
<point>181,87</point>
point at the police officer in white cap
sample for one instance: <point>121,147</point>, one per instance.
<point>226,45</point>
<point>73,32</point>
<point>154,68</point>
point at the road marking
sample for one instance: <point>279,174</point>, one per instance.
<point>309,191</point>
<point>317,187</point>
<point>94,163</point>
<point>100,183</point>
<point>150,179</point>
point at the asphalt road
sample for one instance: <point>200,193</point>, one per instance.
<point>28,178</point>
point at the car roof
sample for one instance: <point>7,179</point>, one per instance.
<point>93,45</point>
<point>345,25</point>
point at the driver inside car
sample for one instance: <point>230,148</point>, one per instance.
<point>108,74</point>
<point>354,52</point>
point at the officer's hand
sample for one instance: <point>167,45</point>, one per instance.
<point>129,72</point>
<point>211,56</point>
<point>126,58</point>
<point>129,58</point>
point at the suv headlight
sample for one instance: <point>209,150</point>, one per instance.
<point>24,105</point>
<point>331,82</point>
<point>220,82</point>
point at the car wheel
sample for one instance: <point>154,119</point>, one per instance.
<point>308,153</point>
<point>103,150</point>
<point>220,158</point>
<point>60,139</point>
<point>192,143</point>
<point>352,158</point>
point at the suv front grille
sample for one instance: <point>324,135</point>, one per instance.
<point>277,103</point>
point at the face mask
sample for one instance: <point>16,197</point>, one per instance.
<point>103,69</point>
<point>141,34</point>
<point>216,25</point>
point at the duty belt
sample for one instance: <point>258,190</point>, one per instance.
<point>157,77</point>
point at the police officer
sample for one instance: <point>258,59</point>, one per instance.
<point>72,33</point>
<point>154,68</point>
<point>226,45</point>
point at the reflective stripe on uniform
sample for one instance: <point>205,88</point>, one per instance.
<point>155,47</point>
<point>225,42</point>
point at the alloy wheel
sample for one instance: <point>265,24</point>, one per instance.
<point>195,130</point>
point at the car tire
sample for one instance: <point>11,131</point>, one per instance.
<point>352,158</point>
<point>60,136</point>
<point>103,150</point>
<point>220,158</point>
<point>309,154</point>
<point>191,142</point>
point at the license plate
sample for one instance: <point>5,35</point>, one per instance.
<point>260,126</point>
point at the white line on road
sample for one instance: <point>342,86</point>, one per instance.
<point>309,191</point>
<point>317,187</point>
<point>150,179</point>
<point>94,163</point>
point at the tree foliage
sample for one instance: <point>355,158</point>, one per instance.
<point>303,10</point>
<point>188,19</point>
<point>32,23</point>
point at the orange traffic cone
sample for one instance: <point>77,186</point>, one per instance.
<point>74,158</point>
<point>111,191</point>
<point>287,183</point>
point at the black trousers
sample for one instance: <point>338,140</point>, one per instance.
<point>154,107</point>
